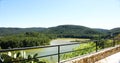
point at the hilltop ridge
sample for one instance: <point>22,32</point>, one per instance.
<point>61,29</point>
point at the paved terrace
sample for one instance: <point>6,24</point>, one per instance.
<point>108,55</point>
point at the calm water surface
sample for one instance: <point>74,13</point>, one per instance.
<point>53,50</point>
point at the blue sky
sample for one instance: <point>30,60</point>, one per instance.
<point>47,13</point>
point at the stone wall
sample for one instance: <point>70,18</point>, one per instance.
<point>115,58</point>
<point>93,57</point>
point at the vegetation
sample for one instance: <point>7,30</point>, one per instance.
<point>77,40</point>
<point>91,46</point>
<point>66,31</point>
<point>116,31</point>
<point>117,39</point>
<point>27,39</point>
<point>10,31</point>
<point>72,31</point>
<point>80,50</point>
<point>19,58</point>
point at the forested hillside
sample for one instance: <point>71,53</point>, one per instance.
<point>9,31</point>
<point>115,31</point>
<point>105,31</point>
<point>73,31</point>
<point>27,37</point>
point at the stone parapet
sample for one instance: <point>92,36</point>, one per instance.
<point>93,57</point>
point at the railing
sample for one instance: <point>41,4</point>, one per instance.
<point>98,47</point>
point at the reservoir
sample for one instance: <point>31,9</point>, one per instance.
<point>52,50</point>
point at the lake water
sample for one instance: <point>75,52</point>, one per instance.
<point>53,50</point>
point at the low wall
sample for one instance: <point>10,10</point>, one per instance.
<point>94,57</point>
<point>115,58</point>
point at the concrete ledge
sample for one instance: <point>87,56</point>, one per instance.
<point>93,57</point>
<point>115,58</point>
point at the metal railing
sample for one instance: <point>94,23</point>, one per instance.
<point>98,44</point>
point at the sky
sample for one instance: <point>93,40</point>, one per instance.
<point>48,13</point>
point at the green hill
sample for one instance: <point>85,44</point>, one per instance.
<point>9,31</point>
<point>73,31</point>
<point>115,31</point>
<point>63,31</point>
<point>102,30</point>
